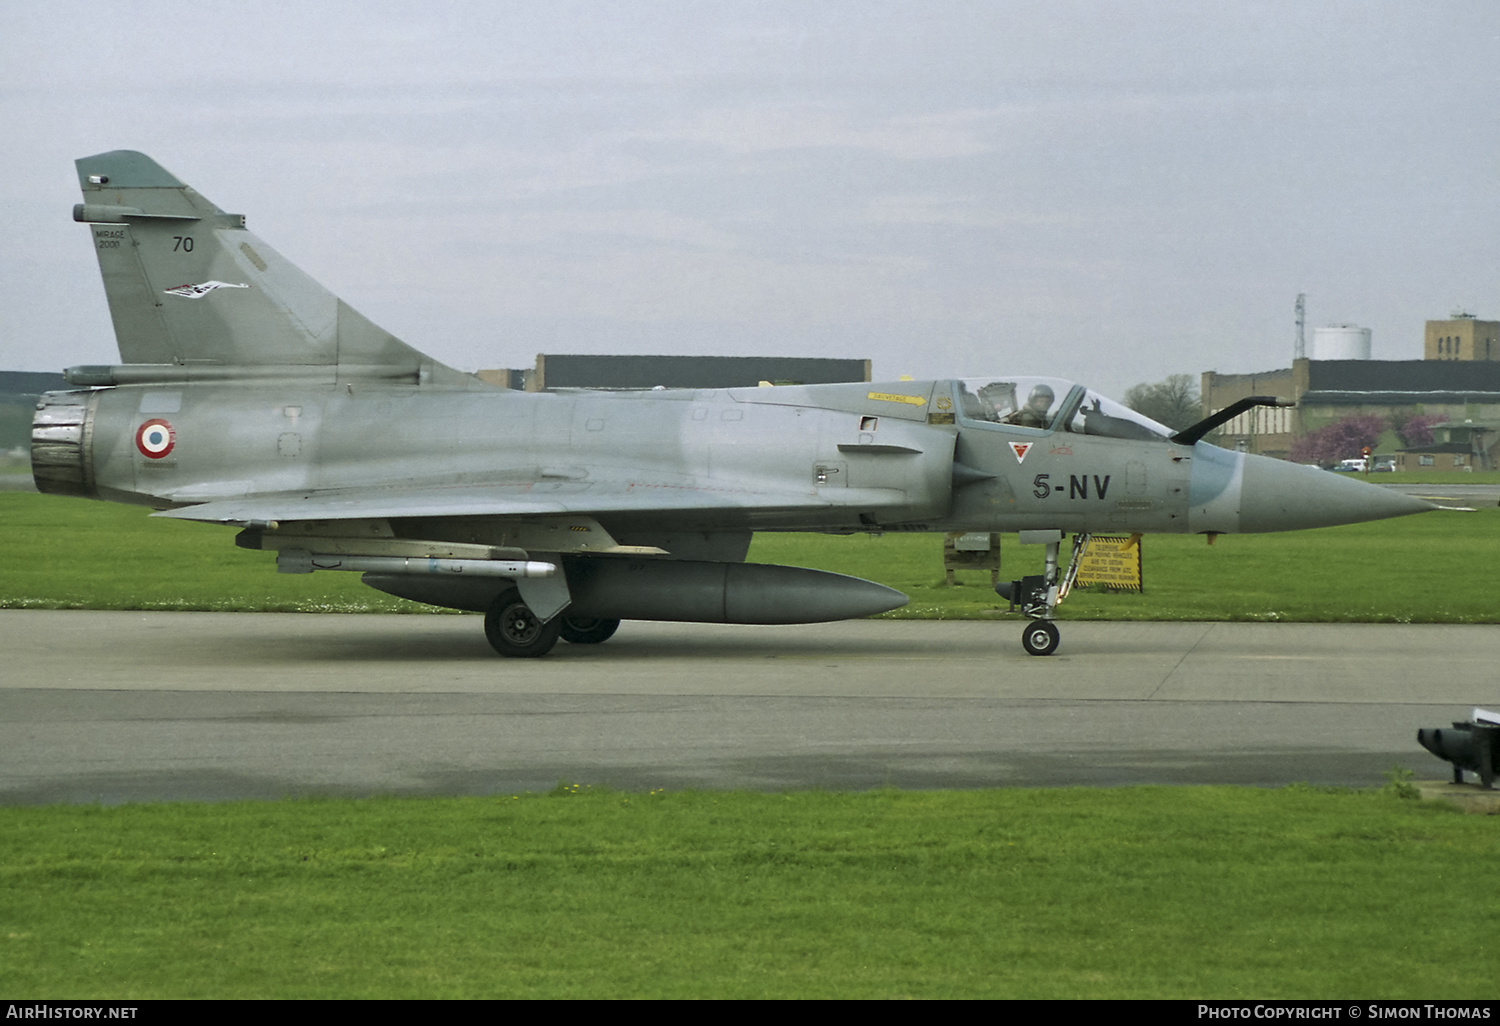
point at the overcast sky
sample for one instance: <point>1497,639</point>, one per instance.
<point>1107,191</point>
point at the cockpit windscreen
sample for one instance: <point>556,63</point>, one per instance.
<point>1052,404</point>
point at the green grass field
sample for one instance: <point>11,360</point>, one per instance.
<point>1135,893</point>
<point>65,553</point>
<point>1433,568</point>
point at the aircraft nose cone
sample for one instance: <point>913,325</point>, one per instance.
<point>1280,496</point>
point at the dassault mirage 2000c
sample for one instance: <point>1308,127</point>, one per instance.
<point>250,395</point>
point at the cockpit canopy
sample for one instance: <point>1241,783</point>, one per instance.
<point>1052,404</point>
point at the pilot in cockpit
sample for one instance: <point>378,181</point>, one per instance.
<point>1037,411</point>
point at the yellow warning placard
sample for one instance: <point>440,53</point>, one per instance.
<point>910,400</point>
<point>1112,561</point>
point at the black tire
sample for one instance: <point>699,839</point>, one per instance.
<point>1040,637</point>
<point>583,631</point>
<point>514,630</point>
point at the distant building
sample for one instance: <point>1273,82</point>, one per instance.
<point>1455,446</point>
<point>1462,338</point>
<point>1438,456</point>
<point>1457,384</point>
<point>567,371</point>
<point>505,377</point>
<point>1266,430</point>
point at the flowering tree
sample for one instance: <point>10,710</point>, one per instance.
<point>1341,440</point>
<point>1415,430</point>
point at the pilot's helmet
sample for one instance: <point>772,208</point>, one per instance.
<point>1041,396</point>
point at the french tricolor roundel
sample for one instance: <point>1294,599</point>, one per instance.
<point>1019,448</point>
<point>155,439</point>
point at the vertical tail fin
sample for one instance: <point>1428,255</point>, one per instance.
<point>189,286</point>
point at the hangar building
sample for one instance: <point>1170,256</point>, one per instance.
<point>580,371</point>
<point>1457,384</point>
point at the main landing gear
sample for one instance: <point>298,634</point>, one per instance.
<point>514,630</point>
<point>1038,596</point>
<point>583,631</point>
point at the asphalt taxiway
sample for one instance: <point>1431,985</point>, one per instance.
<point>127,706</point>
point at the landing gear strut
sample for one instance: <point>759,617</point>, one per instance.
<point>1038,595</point>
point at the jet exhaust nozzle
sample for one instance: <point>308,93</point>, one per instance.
<point>61,459</point>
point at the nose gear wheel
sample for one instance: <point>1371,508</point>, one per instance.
<point>1040,637</point>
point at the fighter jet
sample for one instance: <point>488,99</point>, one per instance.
<point>249,395</point>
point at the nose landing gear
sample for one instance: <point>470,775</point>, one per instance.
<point>1038,596</point>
